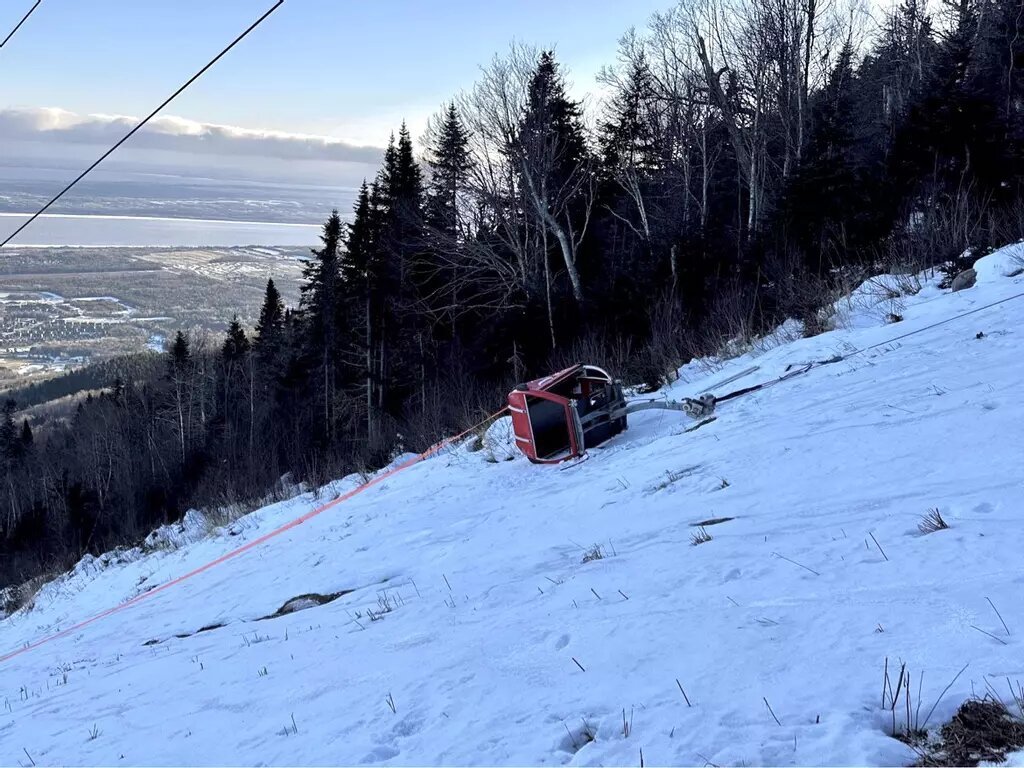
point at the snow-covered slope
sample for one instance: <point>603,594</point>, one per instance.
<point>497,644</point>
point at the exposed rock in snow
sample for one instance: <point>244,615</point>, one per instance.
<point>965,279</point>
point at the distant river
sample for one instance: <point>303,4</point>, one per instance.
<point>52,230</point>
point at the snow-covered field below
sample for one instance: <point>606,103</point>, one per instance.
<point>472,631</point>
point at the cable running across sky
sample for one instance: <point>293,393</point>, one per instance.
<point>145,120</point>
<point>18,25</point>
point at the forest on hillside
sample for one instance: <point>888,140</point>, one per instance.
<point>746,160</point>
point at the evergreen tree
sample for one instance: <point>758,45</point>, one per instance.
<point>8,431</point>
<point>626,134</point>
<point>824,194</point>
<point>357,261</point>
<point>636,189</point>
<point>408,187</point>
<point>551,153</point>
<point>1005,40</point>
<point>387,176</point>
<point>321,290</point>
<point>322,310</point>
<point>901,62</point>
<point>270,327</point>
<point>27,438</point>
<point>445,201</point>
<point>237,395</point>
<point>449,163</point>
<point>117,390</point>
<point>383,215</point>
<point>552,127</point>
<point>405,214</point>
<point>179,356</point>
<point>236,343</point>
<point>359,267</point>
<point>181,394</point>
<point>270,348</point>
<point>955,136</point>
<point>397,231</point>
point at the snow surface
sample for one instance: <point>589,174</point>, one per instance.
<point>496,644</point>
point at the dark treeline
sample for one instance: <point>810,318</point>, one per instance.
<point>745,161</point>
<point>95,376</point>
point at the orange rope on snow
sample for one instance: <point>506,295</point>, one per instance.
<point>431,451</point>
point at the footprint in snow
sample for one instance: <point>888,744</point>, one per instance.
<point>406,728</point>
<point>561,642</point>
<point>379,754</point>
<point>732,575</point>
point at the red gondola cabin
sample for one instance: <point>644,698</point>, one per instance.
<point>558,417</point>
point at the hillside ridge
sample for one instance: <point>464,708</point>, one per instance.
<point>731,593</point>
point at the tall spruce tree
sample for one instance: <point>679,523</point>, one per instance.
<point>636,189</point>
<point>8,431</point>
<point>413,346</point>
<point>553,123</point>
<point>954,140</point>
<point>360,264</point>
<point>237,390</point>
<point>822,201</point>
<point>627,131</point>
<point>271,323</point>
<point>396,216</point>
<point>449,162</point>
<point>236,343</point>
<point>179,365</point>
<point>180,355</point>
<point>322,311</point>
<point>405,203</point>
<point>408,188</point>
<point>271,353</point>
<point>553,162</point>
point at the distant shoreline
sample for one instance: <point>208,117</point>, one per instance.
<point>121,246</point>
<point>102,230</point>
<point>130,217</point>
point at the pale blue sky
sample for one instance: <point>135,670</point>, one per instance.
<point>340,68</point>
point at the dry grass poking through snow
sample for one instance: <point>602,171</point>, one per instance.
<point>982,730</point>
<point>932,522</point>
<point>1017,260</point>
<point>701,536</point>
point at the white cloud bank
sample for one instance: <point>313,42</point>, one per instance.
<point>176,134</point>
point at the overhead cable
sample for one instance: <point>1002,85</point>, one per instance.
<point>18,25</point>
<point>145,120</point>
